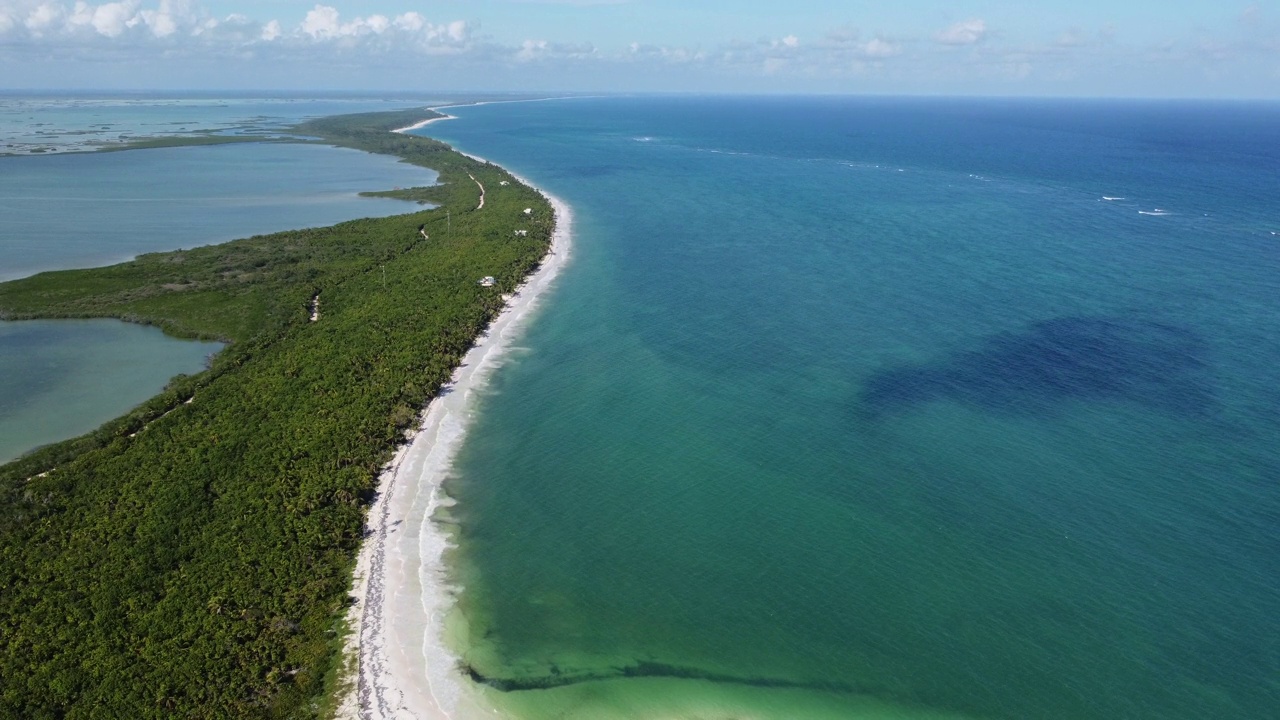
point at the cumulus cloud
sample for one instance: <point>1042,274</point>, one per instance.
<point>174,22</point>
<point>271,31</point>
<point>109,19</point>
<point>321,22</point>
<point>965,32</point>
<point>49,20</point>
<point>542,50</point>
<point>45,17</point>
<point>878,48</point>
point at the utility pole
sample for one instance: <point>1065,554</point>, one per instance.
<point>384,277</point>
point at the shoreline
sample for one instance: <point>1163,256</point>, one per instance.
<point>421,124</point>
<point>446,116</point>
<point>404,668</point>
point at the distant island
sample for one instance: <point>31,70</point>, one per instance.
<point>193,558</point>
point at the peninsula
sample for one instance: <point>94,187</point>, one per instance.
<point>194,557</point>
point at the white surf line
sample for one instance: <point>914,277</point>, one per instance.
<point>477,182</point>
<point>404,667</point>
<point>424,123</point>
<point>446,116</point>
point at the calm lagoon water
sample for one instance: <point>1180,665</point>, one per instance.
<point>885,408</point>
<point>40,124</point>
<point>82,210</point>
<point>60,379</point>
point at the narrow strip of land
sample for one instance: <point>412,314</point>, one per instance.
<point>248,506</point>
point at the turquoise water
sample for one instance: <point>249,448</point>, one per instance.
<point>877,408</point>
<point>62,378</point>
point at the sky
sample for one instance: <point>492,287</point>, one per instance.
<point>1090,48</point>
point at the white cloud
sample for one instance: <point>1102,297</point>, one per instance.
<point>966,32</point>
<point>378,23</point>
<point>457,30</point>
<point>324,24</point>
<point>879,49</point>
<point>139,29</point>
<point>32,32</point>
<point>44,17</point>
<point>410,22</point>
<point>271,31</point>
<point>109,19</point>
<point>321,22</point>
<point>162,24</point>
<point>166,19</point>
<point>531,50</point>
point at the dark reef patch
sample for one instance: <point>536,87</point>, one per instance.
<point>642,669</point>
<point>1055,362</point>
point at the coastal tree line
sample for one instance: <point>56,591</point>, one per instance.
<point>193,557</point>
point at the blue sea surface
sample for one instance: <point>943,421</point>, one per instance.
<point>895,407</point>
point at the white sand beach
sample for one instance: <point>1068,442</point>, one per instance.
<point>405,670</point>
<point>424,123</point>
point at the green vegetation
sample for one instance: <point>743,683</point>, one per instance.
<point>168,141</point>
<point>193,558</point>
<point>422,195</point>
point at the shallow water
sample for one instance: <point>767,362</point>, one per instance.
<point>62,378</point>
<point>34,123</point>
<point>96,209</point>
<point>90,209</point>
<point>865,402</point>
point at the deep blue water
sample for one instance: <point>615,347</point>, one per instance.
<point>880,400</point>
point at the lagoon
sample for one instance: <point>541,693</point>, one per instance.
<point>80,210</point>
<point>62,378</point>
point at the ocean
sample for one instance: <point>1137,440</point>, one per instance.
<point>884,407</point>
